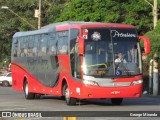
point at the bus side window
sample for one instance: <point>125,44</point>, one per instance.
<point>22,47</point>
<point>44,51</point>
<point>35,51</point>
<point>30,45</point>
<point>36,46</point>
<point>52,43</point>
<point>44,45</point>
<point>15,47</point>
<point>26,50</point>
<point>18,47</point>
<point>62,38</point>
<point>38,43</point>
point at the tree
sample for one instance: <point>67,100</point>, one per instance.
<point>55,10</point>
<point>138,13</point>
<point>154,36</point>
<point>90,10</point>
<point>10,23</point>
<point>135,12</point>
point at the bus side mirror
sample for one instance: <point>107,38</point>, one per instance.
<point>80,45</point>
<point>146,44</point>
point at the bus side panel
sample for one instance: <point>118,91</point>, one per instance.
<point>65,72</point>
<point>19,72</point>
<point>17,77</point>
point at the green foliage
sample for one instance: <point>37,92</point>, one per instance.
<point>11,23</point>
<point>154,37</point>
<point>14,19</point>
<point>90,10</point>
<point>157,29</point>
<point>138,13</point>
<point>54,12</point>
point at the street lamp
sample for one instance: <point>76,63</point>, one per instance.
<point>4,7</point>
<point>24,20</point>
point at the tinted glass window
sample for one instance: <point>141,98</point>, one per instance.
<point>52,43</point>
<point>62,45</point>
<point>44,44</point>
<point>30,46</point>
<point>74,58</point>
<point>15,46</point>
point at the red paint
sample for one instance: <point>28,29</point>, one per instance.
<point>146,44</point>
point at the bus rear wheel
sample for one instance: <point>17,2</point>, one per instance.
<point>116,101</point>
<point>69,100</point>
<point>28,95</point>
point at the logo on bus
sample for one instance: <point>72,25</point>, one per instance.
<point>96,36</point>
<point>115,33</point>
<point>118,72</point>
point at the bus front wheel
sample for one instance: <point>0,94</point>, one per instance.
<point>116,101</point>
<point>69,100</point>
<point>28,95</point>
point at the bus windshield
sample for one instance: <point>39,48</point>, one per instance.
<point>111,52</point>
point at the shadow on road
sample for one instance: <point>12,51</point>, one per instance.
<point>8,93</point>
<point>144,100</point>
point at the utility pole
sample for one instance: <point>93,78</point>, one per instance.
<point>155,75</point>
<point>154,12</point>
<point>39,14</point>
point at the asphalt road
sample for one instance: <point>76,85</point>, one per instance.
<point>11,100</point>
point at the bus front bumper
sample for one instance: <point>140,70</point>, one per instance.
<point>84,92</point>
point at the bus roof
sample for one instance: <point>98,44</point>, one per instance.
<point>27,33</point>
<point>83,24</point>
<point>52,27</point>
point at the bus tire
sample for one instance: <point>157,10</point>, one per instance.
<point>116,101</point>
<point>37,96</point>
<point>69,100</point>
<point>28,95</point>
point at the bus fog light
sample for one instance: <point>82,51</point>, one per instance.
<point>137,82</point>
<point>88,82</point>
<point>89,95</point>
<point>137,95</point>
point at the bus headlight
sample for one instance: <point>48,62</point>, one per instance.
<point>88,82</point>
<point>84,68</point>
<point>137,82</point>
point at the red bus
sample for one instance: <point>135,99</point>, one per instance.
<point>77,60</point>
